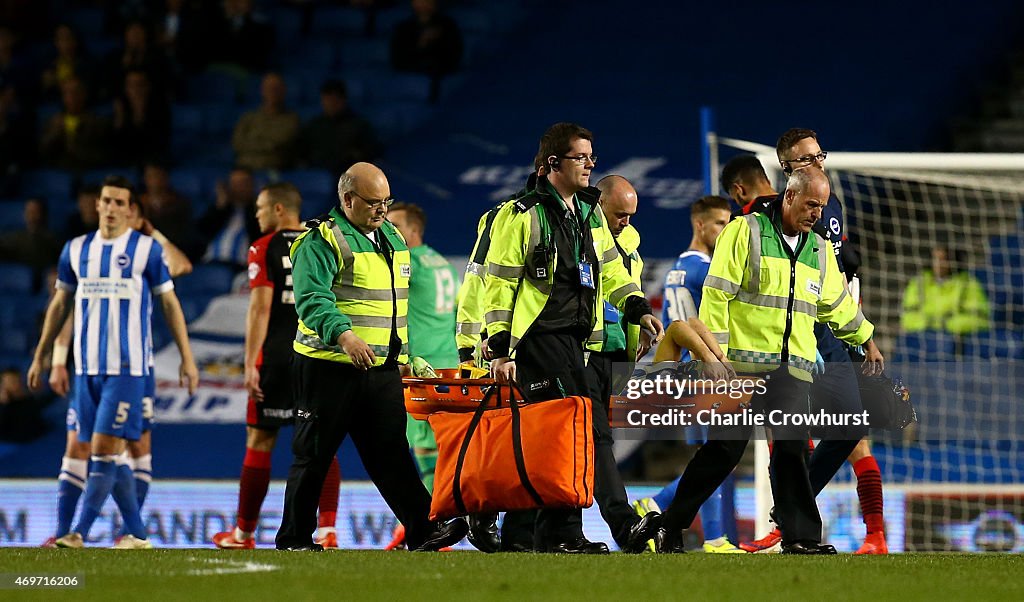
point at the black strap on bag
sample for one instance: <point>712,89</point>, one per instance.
<point>517,447</point>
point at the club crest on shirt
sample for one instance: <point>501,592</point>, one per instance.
<point>123,260</point>
<point>833,224</point>
<point>254,270</point>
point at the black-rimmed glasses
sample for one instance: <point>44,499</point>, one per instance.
<point>582,159</point>
<point>808,159</point>
<point>375,203</point>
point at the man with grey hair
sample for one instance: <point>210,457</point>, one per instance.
<point>350,275</point>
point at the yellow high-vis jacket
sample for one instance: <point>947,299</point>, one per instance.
<point>516,289</point>
<point>761,299</point>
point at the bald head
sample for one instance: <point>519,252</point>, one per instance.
<point>364,193</point>
<point>618,201</point>
<point>807,194</point>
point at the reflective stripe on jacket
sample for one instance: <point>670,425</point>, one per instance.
<point>516,290</point>
<point>343,282</point>
<point>761,299</point>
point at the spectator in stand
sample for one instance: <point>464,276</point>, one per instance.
<point>230,224</point>
<point>243,39</point>
<point>75,138</point>
<point>136,53</point>
<point>70,62</point>
<point>142,120</point>
<point>170,212</point>
<point>16,139</point>
<point>429,42</point>
<point>265,138</point>
<point>87,219</point>
<point>15,70</point>
<point>183,32</point>
<point>337,138</point>
<point>945,298</point>
<point>35,245</point>
<point>21,416</point>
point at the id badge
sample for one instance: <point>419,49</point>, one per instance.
<point>586,274</point>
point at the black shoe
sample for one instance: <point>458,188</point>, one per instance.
<point>483,532</point>
<point>669,541</point>
<point>305,547</point>
<point>444,535</point>
<point>515,546</point>
<point>578,546</point>
<point>641,532</point>
<point>809,547</point>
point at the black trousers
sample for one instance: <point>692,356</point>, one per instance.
<point>550,366</point>
<point>333,400</point>
<point>836,391</point>
<point>795,509</point>
<point>609,491</point>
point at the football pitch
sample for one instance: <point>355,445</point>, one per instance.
<point>370,575</point>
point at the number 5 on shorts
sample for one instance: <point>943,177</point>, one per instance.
<point>122,412</point>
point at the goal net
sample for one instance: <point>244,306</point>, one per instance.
<point>955,480</point>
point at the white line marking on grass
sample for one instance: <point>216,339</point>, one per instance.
<point>231,567</point>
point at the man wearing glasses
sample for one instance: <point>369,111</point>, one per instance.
<point>551,262</point>
<point>836,388</point>
<point>350,276</point>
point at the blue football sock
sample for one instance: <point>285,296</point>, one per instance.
<point>142,469</point>
<point>664,497</point>
<point>70,485</point>
<point>97,488</point>
<point>128,501</point>
<point>711,516</point>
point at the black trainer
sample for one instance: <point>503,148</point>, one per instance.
<point>809,548</point>
<point>669,541</point>
<point>483,532</point>
<point>641,532</point>
<point>579,546</point>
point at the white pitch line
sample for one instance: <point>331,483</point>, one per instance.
<point>233,567</point>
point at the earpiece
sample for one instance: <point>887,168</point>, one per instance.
<point>554,162</point>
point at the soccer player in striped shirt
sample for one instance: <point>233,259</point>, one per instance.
<point>109,278</point>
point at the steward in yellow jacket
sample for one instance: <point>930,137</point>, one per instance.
<point>551,263</point>
<point>770,280</point>
<point>350,274</point>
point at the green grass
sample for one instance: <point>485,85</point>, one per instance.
<point>366,575</point>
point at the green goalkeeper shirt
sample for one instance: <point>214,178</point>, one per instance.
<point>432,289</point>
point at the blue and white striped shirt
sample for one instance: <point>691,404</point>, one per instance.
<point>114,281</point>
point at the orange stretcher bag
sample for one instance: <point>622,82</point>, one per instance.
<point>510,455</point>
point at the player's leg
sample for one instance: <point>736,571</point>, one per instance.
<point>118,417</point>
<point>140,454</point>
<point>74,470</point>
<point>252,488</point>
<point>326,532</point>
<point>869,492</point>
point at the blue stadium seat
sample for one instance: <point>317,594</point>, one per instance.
<point>186,127</point>
<point>924,346</point>
<point>999,343</point>
<point>471,20</point>
<point>97,175</point>
<point>17,340</point>
<point>219,121</point>
<point>193,306</point>
<point>332,22</point>
<point>287,26</point>
<point>388,19</point>
<point>365,52</point>
<point>87,22</point>
<point>213,87</point>
<point>15,278</point>
<point>205,280</point>
<point>11,215</point>
<point>1006,252</point>
<point>313,184</point>
<point>52,184</point>
<point>189,184</point>
<point>312,54</point>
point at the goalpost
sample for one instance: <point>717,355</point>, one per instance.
<point>958,474</point>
